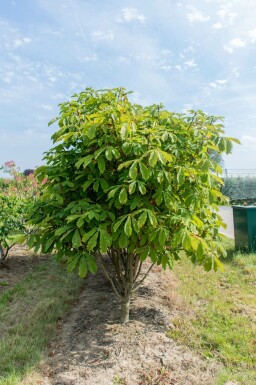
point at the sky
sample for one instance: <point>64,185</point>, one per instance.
<point>187,54</point>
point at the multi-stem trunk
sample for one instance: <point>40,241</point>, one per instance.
<point>124,274</point>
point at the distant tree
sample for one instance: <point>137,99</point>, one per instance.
<point>28,171</point>
<point>125,184</point>
<point>217,157</point>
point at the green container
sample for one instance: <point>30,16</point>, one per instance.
<point>245,227</point>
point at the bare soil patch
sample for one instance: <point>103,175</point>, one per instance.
<point>94,349</point>
<point>19,263</point>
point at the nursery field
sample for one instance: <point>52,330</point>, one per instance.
<point>185,328</point>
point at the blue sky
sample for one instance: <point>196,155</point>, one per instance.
<point>198,54</point>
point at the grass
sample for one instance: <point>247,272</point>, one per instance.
<point>222,308</point>
<point>29,315</point>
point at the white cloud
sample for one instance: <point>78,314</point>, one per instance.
<point>235,72</point>
<point>252,35</point>
<point>22,41</point>
<point>218,25</point>
<point>89,58</point>
<point>8,76</point>
<point>218,83</point>
<point>226,15</point>
<point>197,16</point>
<point>233,44</point>
<point>46,107</point>
<point>190,63</point>
<point>101,36</point>
<point>130,14</point>
<point>222,81</point>
<point>248,141</point>
<point>165,67</point>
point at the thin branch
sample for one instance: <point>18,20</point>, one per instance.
<point>107,275</point>
<point>136,263</point>
<point>139,270</point>
<point>143,279</point>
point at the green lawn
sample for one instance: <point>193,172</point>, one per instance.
<point>29,313</point>
<point>222,308</point>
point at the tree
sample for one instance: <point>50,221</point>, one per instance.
<point>125,184</point>
<point>12,223</point>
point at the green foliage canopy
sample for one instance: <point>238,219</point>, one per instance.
<point>130,181</point>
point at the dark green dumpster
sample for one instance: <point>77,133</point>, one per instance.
<point>245,227</point>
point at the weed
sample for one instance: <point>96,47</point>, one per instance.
<point>160,376</point>
<point>117,380</point>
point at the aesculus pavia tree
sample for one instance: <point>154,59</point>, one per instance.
<point>126,183</point>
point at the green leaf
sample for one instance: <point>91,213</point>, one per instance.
<point>162,236</point>
<point>105,241</point>
<point>76,239</point>
<point>189,200</point>
<point>118,223</point>
<point>89,234</point>
<point>91,264</point>
<point>167,156</point>
<point>62,230</point>
<point>144,171</point>
<point>92,242</point>
<point>200,252</point>
<point>142,219</point>
<point>109,154</point>
<point>96,185</point>
<point>180,177</point>
<point>80,222</point>
<point>49,244</point>
<point>31,241</point>
<point>116,153</point>
<point>84,161</point>
<point>135,225</point>
<point>187,244</point>
<point>159,199</point>
<point>142,188</point>
<point>144,254</point>
<point>125,165</point>
<point>153,158</point>
<point>101,164</point>
<point>123,131</point>
<point>161,157</point>
<point>82,267</point>
<point>133,172</point>
<point>87,184</point>
<point>73,263</point>
<point>152,218</point>
<point>132,187</point>
<point>208,264</point>
<point>104,184</point>
<point>123,241</point>
<point>91,132</point>
<point>235,140</point>
<point>123,196</point>
<point>229,147</point>
<point>112,192</point>
<point>128,227</point>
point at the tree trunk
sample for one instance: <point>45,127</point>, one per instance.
<point>2,254</point>
<point>125,310</point>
